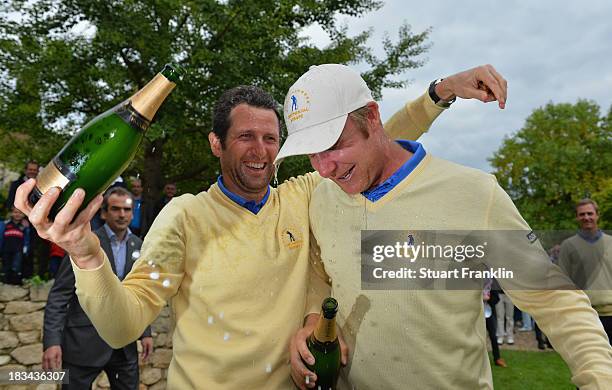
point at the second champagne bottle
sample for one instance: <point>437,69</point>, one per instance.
<point>324,346</point>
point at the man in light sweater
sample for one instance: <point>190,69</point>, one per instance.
<point>233,259</point>
<point>429,339</point>
<point>587,259</point>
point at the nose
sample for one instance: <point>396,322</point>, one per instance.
<point>259,148</point>
<point>323,164</point>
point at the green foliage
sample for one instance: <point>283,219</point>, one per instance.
<point>561,155</point>
<point>34,281</point>
<point>65,61</point>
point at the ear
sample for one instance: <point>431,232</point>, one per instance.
<point>374,122</point>
<point>215,144</point>
<point>373,112</point>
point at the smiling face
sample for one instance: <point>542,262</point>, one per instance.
<point>247,155</point>
<point>587,217</point>
<point>355,162</point>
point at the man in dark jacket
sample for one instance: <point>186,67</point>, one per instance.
<point>31,171</point>
<point>70,340</point>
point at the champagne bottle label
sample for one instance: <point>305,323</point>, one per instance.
<point>133,117</point>
<point>55,174</point>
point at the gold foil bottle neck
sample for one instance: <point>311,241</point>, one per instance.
<point>148,100</point>
<point>325,330</point>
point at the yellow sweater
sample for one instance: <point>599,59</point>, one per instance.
<point>436,339</point>
<point>237,281</point>
<point>590,266</point>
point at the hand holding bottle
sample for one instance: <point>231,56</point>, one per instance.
<point>68,230</point>
<point>300,353</point>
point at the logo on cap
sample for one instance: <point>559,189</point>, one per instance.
<point>293,103</point>
<point>299,98</point>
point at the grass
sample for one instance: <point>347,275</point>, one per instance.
<point>532,371</point>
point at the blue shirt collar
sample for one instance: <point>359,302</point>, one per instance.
<point>590,238</point>
<point>111,234</point>
<point>250,205</point>
<point>418,153</point>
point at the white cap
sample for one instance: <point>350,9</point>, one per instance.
<point>317,105</point>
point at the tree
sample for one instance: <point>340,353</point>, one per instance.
<point>561,155</point>
<point>64,61</point>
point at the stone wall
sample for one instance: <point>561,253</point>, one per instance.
<point>21,322</point>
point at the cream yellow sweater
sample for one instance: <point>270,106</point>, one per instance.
<point>436,339</point>
<point>237,281</point>
<point>591,265</point>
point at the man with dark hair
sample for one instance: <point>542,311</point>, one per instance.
<point>70,339</point>
<point>30,171</point>
<point>242,94</point>
<point>587,259</point>
<point>233,259</point>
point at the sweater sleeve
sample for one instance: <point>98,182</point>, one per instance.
<point>155,277</point>
<point>564,315</point>
<point>413,119</point>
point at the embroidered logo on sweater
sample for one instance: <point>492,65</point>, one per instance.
<point>291,238</point>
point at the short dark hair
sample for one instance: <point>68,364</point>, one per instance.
<point>31,162</point>
<point>247,94</point>
<point>120,191</point>
<point>586,201</point>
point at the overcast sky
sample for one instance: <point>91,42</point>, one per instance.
<point>557,51</point>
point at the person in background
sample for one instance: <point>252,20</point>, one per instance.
<point>140,223</point>
<point>491,298</point>
<point>30,171</point>
<point>56,254</point>
<point>169,193</point>
<point>504,310</point>
<point>70,340</point>
<point>14,245</point>
<point>586,258</point>
<point>542,340</point>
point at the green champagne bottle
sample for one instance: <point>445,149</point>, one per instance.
<point>104,147</point>
<point>324,346</point>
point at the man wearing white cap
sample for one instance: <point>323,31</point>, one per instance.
<point>233,259</point>
<point>427,339</point>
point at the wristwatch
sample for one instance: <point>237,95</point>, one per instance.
<point>437,99</point>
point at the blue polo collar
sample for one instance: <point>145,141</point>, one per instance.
<point>418,153</point>
<point>589,238</point>
<point>250,205</point>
